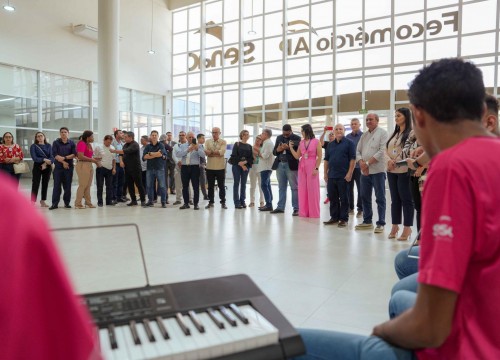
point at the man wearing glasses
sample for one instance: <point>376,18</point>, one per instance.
<point>215,148</point>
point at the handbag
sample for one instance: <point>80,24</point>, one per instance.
<point>21,168</point>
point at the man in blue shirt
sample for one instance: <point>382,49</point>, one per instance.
<point>155,155</point>
<point>64,151</point>
<point>190,153</point>
<point>354,136</point>
<point>340,159</point>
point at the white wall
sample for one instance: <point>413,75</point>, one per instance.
<point>38,35</point>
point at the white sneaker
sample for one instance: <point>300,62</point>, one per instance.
<point>379,229</point>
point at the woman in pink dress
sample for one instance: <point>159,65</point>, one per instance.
<point>309,155</point>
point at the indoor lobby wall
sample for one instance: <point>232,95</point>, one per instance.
<point>38,36</point>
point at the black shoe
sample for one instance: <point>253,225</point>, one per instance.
<point>114,202</point>
<point>295,213</point>
<point>172,192</point>
<point>148,204</point>
<point>177,203</point>
<point>196,207</point>
<point>223,205</point>
<point>67,206</point>
<point>163,205</point>
<point>119,200</point>
<point>266,208</point>
<point>210,205</point>
<point>244,206</point>
<point>53,207</point>
<point>185,206</point>
<point>277,211</point>
<point>206,198</point>
<point>190,202</point>
<point>100,204</point>
<point>132,203</point>
<point>111,203</point>
<point>342,224</point>
<point>330,222</point>
<point>238,207</point>
<point>125,199</point>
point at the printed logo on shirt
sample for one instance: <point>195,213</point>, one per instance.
<point>443,230</point>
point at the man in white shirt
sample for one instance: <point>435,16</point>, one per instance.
<point>104,173</point>
<point>266,159</point>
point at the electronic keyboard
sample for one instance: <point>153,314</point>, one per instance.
<point>224,318</point>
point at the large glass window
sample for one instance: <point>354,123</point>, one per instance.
<point>295,67</point>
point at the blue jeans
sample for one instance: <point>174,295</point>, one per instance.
<point>399,186</point>
<point>332,345</point>
<point>286,176</point>
<point>151,175</point>
<point>240,179</point>
<point>118,181</point>
<point>265,184</point>
<point>402,300</point>
<point>377,182</point>
<point>338,192</point>
<point>62,177</point>
<point>404,265</point>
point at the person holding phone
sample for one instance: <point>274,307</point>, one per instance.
<point>190,154</point>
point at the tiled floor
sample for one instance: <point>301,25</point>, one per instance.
<point>318,276</point>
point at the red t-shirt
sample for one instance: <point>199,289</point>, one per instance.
<point>85,148</point>
<point>460,248</point>
<point>41,317</point>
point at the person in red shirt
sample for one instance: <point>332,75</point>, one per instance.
<point>456,312</point>
<point>10,154</point>
<point>41,317</point>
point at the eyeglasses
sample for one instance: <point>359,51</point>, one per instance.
<point>215,132</point>
<point>182,135</point>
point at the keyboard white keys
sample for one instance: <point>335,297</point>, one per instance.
<point>121,352</point>
<point>264,331</point>
<point>105,344</point>
<point>134,351</point>
<point>203,344</point>
<point>186,343</point>
<point>148,348</point>
<point>222,342</point>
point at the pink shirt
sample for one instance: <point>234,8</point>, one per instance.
<point>460,247</point>
<point>41,317</point>
<point>84,148</point>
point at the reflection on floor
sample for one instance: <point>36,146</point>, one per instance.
<point>318,276</point>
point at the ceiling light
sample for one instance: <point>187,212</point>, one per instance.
<point>151,51</point>
<point>72,108</point>
<point>9,7</point>
<point>22,114</point>
<point>252,31</point>
<point>7,99</point>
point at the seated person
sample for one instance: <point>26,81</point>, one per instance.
<point>455,312</point>
<point>41,317</point>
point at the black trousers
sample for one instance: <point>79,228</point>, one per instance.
<point>104,176</point>
<point>338,195</point>
<point>135,177</point>
<point>220,175</point>
<point>417,199</point>
<point>39,174</point>
<point>62,177</point>
<point>356,178</point>
<point>190,173</point>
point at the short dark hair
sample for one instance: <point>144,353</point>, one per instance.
<point>116,132</point>
<point>308,131</point>
<point>130,134</point>
<point>108,137</point>
<point>491,104</point>
<point>86,134</point>
<point>154,131</point>
<point>287,127</point>
<point>200,136</point>
<point>450,90</point>
<point>64,128</point>
<point>168,132</point>
<point>145,137</point>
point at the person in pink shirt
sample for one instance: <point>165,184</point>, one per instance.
<point>84,169</point>
<point>309,155</point>
<point>41,317</point>
<point>455,312</point>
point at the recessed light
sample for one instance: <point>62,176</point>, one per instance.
<point>151,52</point>
<point>9,7</point>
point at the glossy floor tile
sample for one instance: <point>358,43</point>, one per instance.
<point>318,276</point>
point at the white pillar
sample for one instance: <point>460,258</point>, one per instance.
<point>108,62</point>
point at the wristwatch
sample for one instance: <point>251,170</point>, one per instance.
<point>416,163</point>
<point>367,163</point>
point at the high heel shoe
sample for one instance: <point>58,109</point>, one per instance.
<point>404,237</point>
<point>393,233</point>
<point>43,204</point>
